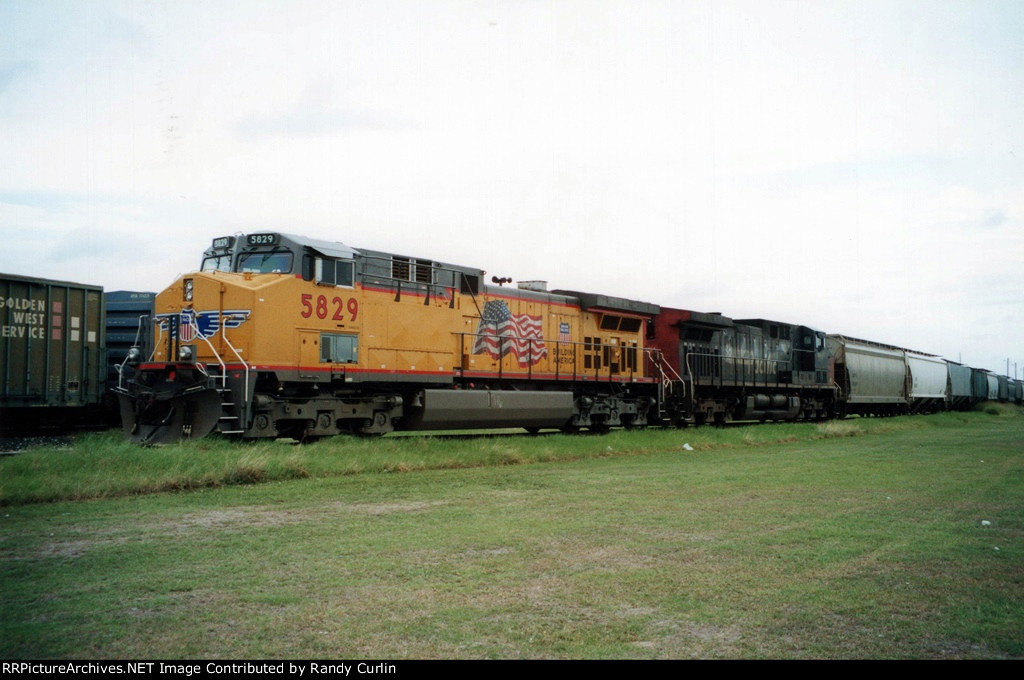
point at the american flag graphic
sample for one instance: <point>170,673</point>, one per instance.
<point>186,331</point>
<point>501,332</point>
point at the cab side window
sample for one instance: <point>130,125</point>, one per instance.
<point>335,272</point>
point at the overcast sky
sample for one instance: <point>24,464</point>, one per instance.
<point>853,166</point>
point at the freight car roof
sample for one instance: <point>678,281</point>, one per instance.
<point>881,345</point>
<point>49,282</point>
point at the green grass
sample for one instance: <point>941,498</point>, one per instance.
<point>859,539</point>
<point>104,465</point>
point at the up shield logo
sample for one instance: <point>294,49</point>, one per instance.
<point>191,325</point>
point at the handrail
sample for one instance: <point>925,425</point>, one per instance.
<point>746,369</point>
<point>386,276</point>
<point>158,339</point>
<point>668,373</point>
<point>223,367</point>
<point>138,335</point>
<point>222,329</point>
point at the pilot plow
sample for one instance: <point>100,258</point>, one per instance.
<point>174,406</point>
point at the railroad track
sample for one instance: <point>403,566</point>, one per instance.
<point>10,446</point>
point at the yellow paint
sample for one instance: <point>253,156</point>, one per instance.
<point>287,316</point>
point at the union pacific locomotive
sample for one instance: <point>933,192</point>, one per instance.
<point>284,336</point>
<point>281,336</point>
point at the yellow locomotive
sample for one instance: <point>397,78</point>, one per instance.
<point>283,336</point>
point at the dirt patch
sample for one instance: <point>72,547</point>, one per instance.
<point>70,549</point>
<point>388,508</point>
<point>241,518</point>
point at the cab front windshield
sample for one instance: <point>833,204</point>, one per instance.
<point>271,262</point>
<point>218,263</point>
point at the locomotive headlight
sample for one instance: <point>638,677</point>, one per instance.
<point>186,352</point>
<point>188,290</point>
<point>134,354</point>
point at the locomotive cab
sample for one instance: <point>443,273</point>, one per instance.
<point>220,255</point>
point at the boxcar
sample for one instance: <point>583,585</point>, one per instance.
<point>52,357</point>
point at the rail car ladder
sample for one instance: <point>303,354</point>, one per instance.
<point>229,422</point>
<point>669,380</point>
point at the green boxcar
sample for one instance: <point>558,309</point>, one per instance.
<point>52,353</point>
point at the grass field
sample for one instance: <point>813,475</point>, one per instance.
<point>888,538</point>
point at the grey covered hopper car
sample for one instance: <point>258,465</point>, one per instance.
<point>872,378</point>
